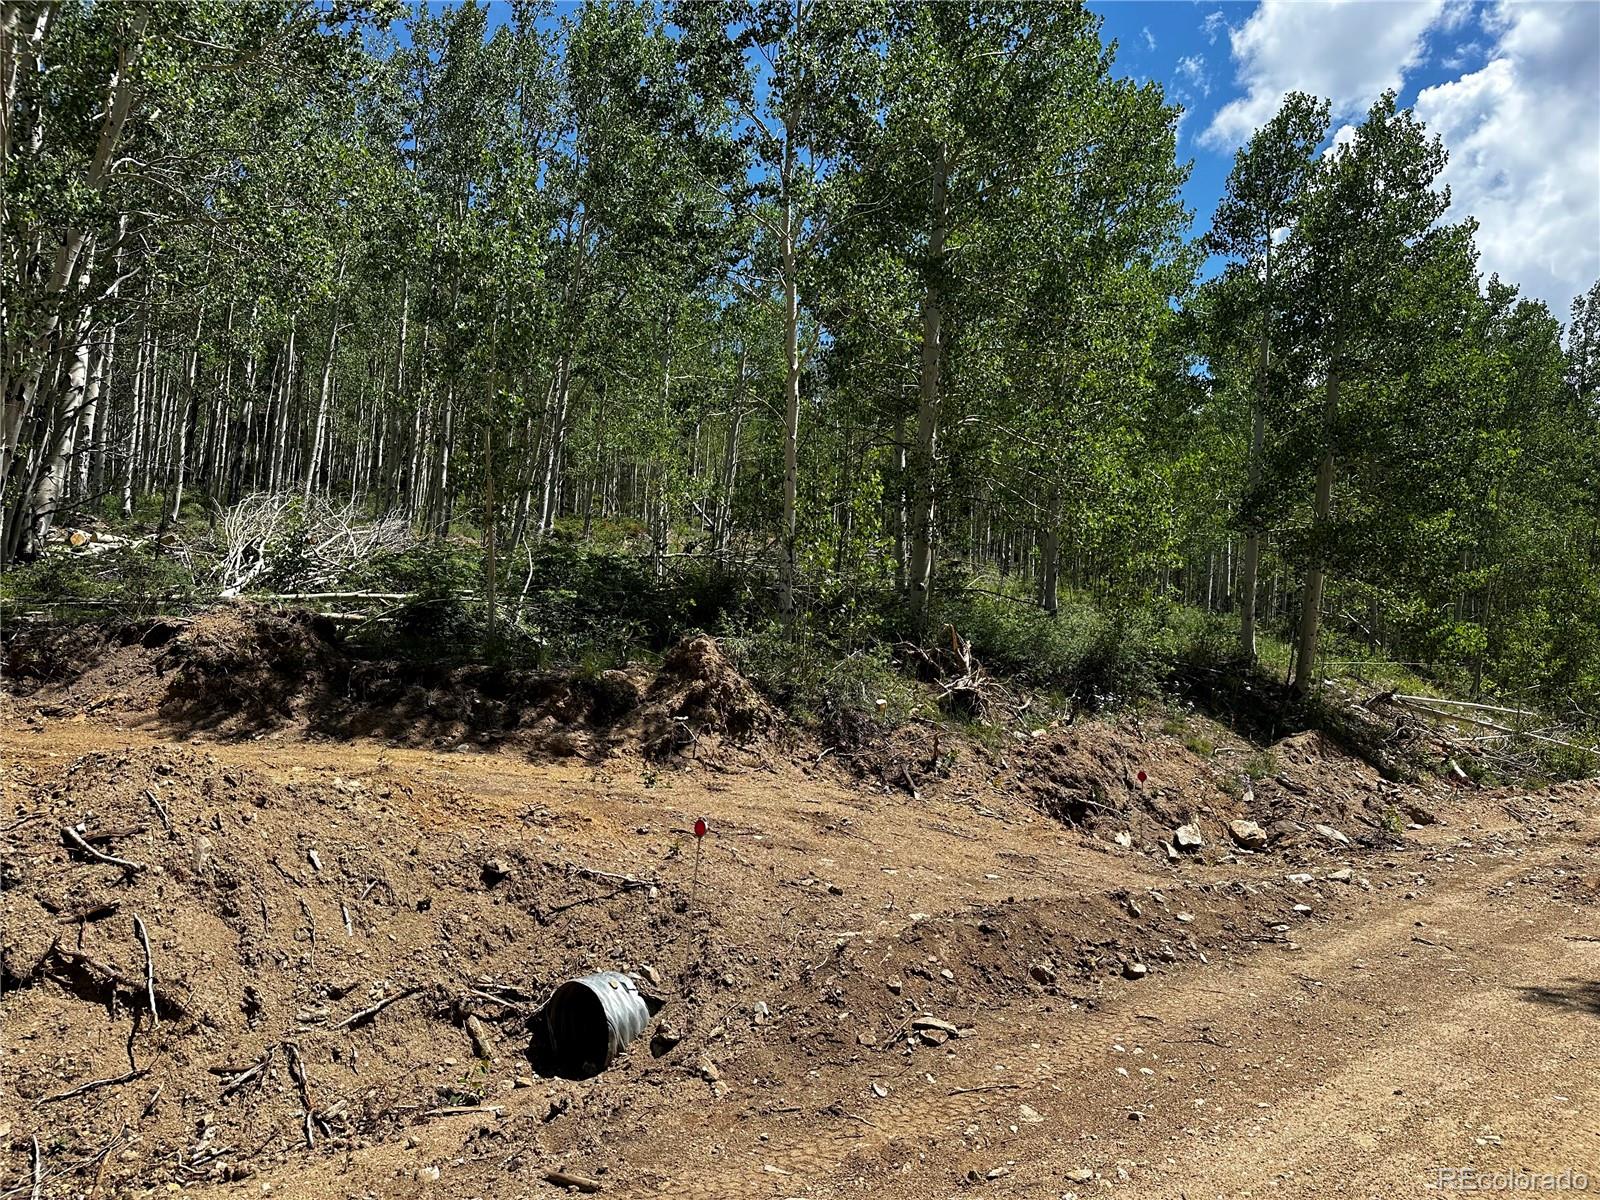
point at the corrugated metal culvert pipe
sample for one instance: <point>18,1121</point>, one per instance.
<point>589,1020</point>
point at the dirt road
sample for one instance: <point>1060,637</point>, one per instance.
<point>1439,1008</point>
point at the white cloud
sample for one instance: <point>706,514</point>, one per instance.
<point>1344,50</point>
<point>1192,70</point>
<point>1149,38</point>
<point>1523,134</point>
<point>1462,55</point>
<point>1213,26</point>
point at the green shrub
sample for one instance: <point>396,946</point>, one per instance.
<point>1261,765</point>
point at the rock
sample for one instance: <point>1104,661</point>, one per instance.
<point>1248,834</point>
<point>1342,875</point>
<point>1172,852</point>
<point>1279,830</point>
<point>879,1090</point>
<point>493,871</point>
<point>1028,1116</point>
<point>1081,1175</point>
<point>1043,972</point>
<point>708,1070</point>
<point>1332,834</point>
<point>1187,837</point>
<point>649,973</point>
<point>934,1037</point>
<point>998,1173</point>
<point>1123,839</point>
<point>894,985</point>
<point>666,1037</point>
<point>934,1023</point>
<point>1134,970</point>
<point>1186,917</point>
<point>1300,877</point>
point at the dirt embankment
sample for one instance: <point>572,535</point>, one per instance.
<point>349,936</point>
<point>242,671</point>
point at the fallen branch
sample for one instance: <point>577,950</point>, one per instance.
<point>75,840</point>
<point>108,976</point>
<point>366,1014</point>
<point>161,809</point>
<point>1516,712</point>
<point>1505,729</point>
<point>461,1110</point>
<point>149,970</point>
<point>627,881</point>
<point>249,1073</point>
<point>297,1072</point>
<point>93,1086</point>
<point>572,1179</point>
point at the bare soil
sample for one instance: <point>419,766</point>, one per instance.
<point>304,836</point>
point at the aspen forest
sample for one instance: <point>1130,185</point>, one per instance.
<point>822,326</point>
<point>799,599</point>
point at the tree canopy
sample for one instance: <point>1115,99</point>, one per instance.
<point>863,303</point>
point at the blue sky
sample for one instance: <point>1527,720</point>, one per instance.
<point>1513,88</point>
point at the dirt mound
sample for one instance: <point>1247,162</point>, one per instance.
<point>1114,779</point>
<point>234,669</point>
<point>322,969</point>
<point>698,695</point>
<point>332,965</point>
<point>1310,779</point>
<point>1098,773</point>
<point>241,670</point>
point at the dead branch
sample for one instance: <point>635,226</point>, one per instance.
<point>252,1072</point>
<point>161,810</point>
<point>571,1179</point>
<point>149,970</point>
<point>74,839</point>
<point>626,881</point>
<point>355,1020</point>
<point>297,1072</point>
<point>105,976</point>
<point>460,1110</point>
<point>93,1085</point>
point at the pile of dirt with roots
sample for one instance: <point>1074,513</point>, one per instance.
<point>1116,778</point>
<point>697,697</point>
<point>240,670</point>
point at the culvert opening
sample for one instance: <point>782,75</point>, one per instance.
<point>587,1023</point>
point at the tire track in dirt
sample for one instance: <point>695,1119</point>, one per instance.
<point>1352,1067</point>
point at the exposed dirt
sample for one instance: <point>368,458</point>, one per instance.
<point>1315,1017</point>
<point>243,671</point>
